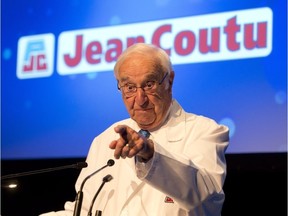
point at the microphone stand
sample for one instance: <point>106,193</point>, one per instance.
<point>107,178</point>
<point>79,165</point>
<point>79,196</point>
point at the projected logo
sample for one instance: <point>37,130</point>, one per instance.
<point>35,56</point>
<point>205,38</point>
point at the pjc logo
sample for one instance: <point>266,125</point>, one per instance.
<point>35,56</point>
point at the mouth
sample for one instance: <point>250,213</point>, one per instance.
<point>143,110</point>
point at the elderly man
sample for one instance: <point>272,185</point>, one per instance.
<point>168,162</point>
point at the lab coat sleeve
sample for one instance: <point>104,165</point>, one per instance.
<point>194,175</point>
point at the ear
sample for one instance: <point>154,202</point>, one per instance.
<point>171,80</point>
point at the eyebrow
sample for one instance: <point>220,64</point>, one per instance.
<point>149,77</point>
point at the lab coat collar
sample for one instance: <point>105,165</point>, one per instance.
<point>176,123</point>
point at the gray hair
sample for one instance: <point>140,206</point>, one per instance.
<point>142,48</point>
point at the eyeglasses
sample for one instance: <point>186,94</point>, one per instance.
<point>130,89</point>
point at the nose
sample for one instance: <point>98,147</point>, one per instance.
<point>141,97</point>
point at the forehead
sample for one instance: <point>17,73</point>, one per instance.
<point>137,77</point>
<point>138,68</point>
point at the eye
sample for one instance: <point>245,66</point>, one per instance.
<point>130,87</point>
<point>149,84</point>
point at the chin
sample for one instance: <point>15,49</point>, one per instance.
<point>150,127</point>
<point>145,125</point>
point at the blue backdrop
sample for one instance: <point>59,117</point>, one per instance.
<point>58,116</point>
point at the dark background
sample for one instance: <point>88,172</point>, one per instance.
<point>256,184</point>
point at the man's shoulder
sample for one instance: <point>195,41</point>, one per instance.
<point>190,116</point>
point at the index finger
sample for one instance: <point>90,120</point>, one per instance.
<point>122,130</point>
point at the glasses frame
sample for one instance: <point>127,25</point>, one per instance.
<point>142,87</point>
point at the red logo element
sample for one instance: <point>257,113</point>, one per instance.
<point>168,200</point>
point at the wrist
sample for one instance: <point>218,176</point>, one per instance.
<point>147,152</point>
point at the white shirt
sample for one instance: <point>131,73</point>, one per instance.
<point>184,177</point>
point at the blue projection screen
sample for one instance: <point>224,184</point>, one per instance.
<point>57,84</point>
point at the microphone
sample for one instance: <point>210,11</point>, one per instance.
<point>79,196</point>
<point>79,165</point>
<point>107,178</point>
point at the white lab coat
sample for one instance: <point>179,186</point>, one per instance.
<point>185,176</point>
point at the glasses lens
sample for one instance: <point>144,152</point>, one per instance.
<point>130,89</point>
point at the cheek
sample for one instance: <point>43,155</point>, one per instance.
<point>159,108</point>
<point>157,101</point>
<point>159,98</point>
<point>128,103</point>
<point>161,101</point>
